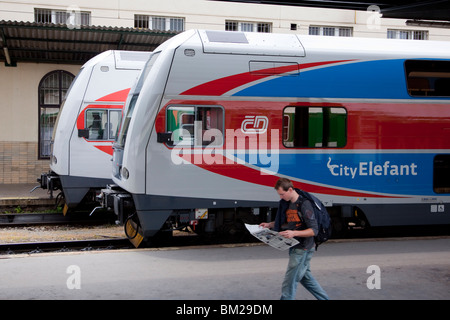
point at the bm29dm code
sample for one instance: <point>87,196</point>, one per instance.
<point>226,309</point>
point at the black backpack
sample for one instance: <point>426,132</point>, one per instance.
<point>322,217</point>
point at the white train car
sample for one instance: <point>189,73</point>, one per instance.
<point>361,123</point>
<point>87,125</point>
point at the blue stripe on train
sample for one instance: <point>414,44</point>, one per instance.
<point>381,79</point>
<point>389,173</point>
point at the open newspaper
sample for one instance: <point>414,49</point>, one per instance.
<point>270,237</point>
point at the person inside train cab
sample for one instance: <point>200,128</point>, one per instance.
<point>95,129</point>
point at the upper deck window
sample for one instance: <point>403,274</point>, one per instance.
<point>428,78</point>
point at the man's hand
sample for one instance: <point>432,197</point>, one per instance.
<point>266,225</point>
<point>288,234</point>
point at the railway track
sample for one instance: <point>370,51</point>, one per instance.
<point>64,246</point>
<point>178,240</point>
<point>46,218</point>
<point>115,241</point>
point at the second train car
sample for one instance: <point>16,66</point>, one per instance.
<point>87,125</point>
<point>364,124</point>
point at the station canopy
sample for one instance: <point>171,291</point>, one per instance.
<point>60,43</point>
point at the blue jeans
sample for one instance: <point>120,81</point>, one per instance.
<point>298,271</point>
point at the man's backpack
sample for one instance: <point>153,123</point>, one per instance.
<point>322,217</point>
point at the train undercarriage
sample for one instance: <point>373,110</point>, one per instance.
<point>143,226</point>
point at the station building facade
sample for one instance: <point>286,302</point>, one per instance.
<point>44,43</point>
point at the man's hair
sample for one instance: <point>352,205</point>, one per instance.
<point>284,183</point>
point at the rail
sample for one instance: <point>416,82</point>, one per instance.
<point>46,218</point>
<point>64,246</point>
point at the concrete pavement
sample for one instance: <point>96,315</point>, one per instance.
<point>394,269</point>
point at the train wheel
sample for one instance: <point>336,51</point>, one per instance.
<point>60,203</point>
<point>133,230</point>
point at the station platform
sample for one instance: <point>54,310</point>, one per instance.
<point>377,269</point>
<point>18,195</point>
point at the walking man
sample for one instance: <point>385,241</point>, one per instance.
<point>295,219</point>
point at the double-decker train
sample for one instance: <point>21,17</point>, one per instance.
<point>87,125</point>
<point>364,124</point>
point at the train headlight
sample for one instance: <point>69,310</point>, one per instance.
<point>125,173</point>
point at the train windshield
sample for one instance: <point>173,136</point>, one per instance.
<point>129,108</point>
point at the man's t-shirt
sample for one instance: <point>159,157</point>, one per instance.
<point>302,221</point>
<point>292,218</point>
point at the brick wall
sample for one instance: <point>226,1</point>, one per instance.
<point>19,162</point>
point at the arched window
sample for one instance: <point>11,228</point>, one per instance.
<point>52,91</point>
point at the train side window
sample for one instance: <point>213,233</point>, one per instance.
<point>441,173</point>
<point>195,125</point>
<point>428,78</point>
<point>314,127</point>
